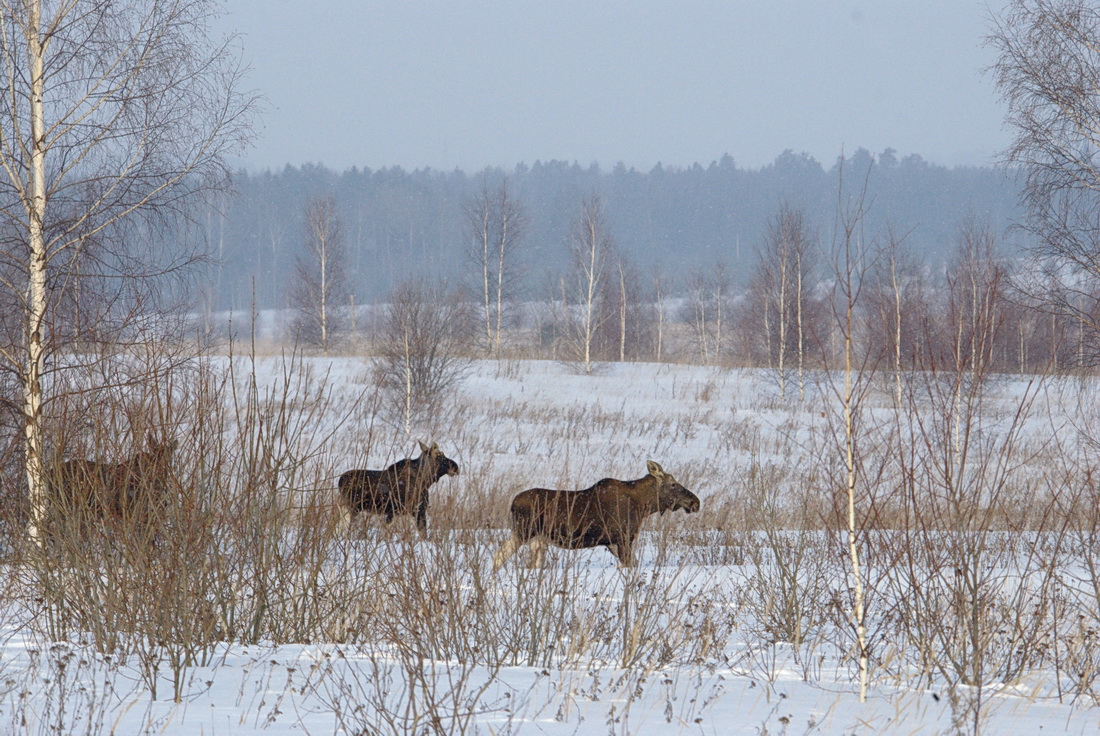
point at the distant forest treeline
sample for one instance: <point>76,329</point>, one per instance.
<point>398,223</point>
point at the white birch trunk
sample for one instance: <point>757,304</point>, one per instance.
<point>590,297</point>
<point>324,294</point>
<point>505,219</point>
<point>853,548</point>
<point>408,378</point>
<point>33,368</point>
<point>484,235</point>
<point>783,316</point>
<point>622,314</point>
<point>719,296</point>
<point>660,319</point>
<point>701,329</point>
<point>897,326</point>
<point>801,344</point>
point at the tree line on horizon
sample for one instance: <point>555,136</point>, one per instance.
<point>398,223</point>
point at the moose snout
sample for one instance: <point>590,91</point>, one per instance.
<point>690,504</point>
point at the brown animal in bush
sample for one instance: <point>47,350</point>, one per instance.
<point>400,489</point>
<point>610,514</point>
<point>134,490</point>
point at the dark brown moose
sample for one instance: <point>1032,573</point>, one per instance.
<point>132,491</point>
<point>610,513</point>
<point>400,489</point>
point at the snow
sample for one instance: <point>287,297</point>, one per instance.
<point>523,423</point>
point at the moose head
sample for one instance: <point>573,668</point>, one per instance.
<point>670,494</point>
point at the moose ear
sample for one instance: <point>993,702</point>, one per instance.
<point>654,469</point>
<point>435,447</point>
<point>423,447</point>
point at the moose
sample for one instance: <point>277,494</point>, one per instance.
<point>610,513</point>
<point>133,491</point>
<point>400,489</point>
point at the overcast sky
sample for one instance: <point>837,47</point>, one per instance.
<point>471,83</point>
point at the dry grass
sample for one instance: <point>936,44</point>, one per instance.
<point>972,589</point>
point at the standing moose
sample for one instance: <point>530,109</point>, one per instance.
<point>134,491</point>
<point>610,514</point>
<point>400,489</point>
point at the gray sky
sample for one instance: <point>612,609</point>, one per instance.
<point>470,83</point>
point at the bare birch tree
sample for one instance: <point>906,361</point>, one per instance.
<point>624,301</point>
<point>857,363</point>
<point>1048,71</point>
<point>320,289</point>
<point>898,309</point>
<point>709,294</point>
<point>849,284</point>
<point>114,114</point>
<point>590,246</point>
<point>701,310</point>
<point>496,224</point>
<point>624,314</point>
<point>659,288</point>
<point>976,281</point>
<point>896,315</point>
<point>781,278</point>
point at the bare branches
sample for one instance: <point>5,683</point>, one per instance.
<point>496,225</point>
<point>320,289</point>
<point>424,334</point>
<point>1048,71</point>
<point>710,293</point>
<point>115,115</point>
<point>778,291</point>
<point>590,246</point>
<point>141,113</point>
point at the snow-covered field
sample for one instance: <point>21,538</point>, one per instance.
<point>735,620</point>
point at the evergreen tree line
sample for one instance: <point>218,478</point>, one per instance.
<point>396,224</point>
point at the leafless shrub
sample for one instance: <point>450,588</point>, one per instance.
<point>973,601</point>
<point>66,690</point>
<point>319,291</point>
<point>789,594</point>
<point>422,350</point>
<point>1075,602</point>
<point>237,557</point>
<point>397,690</point>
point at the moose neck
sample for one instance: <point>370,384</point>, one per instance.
<point>644,491</point>
<point>425,467</point>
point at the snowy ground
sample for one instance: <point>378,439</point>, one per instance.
<point>519,424</point>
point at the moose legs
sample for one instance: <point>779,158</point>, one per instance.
<point>538,551</point>
<point>512,545</point>
<point>343,524</point>
<point>509,548</point>
<point>624,551</point>
<point>347,516</point>
<point>422,516</point>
